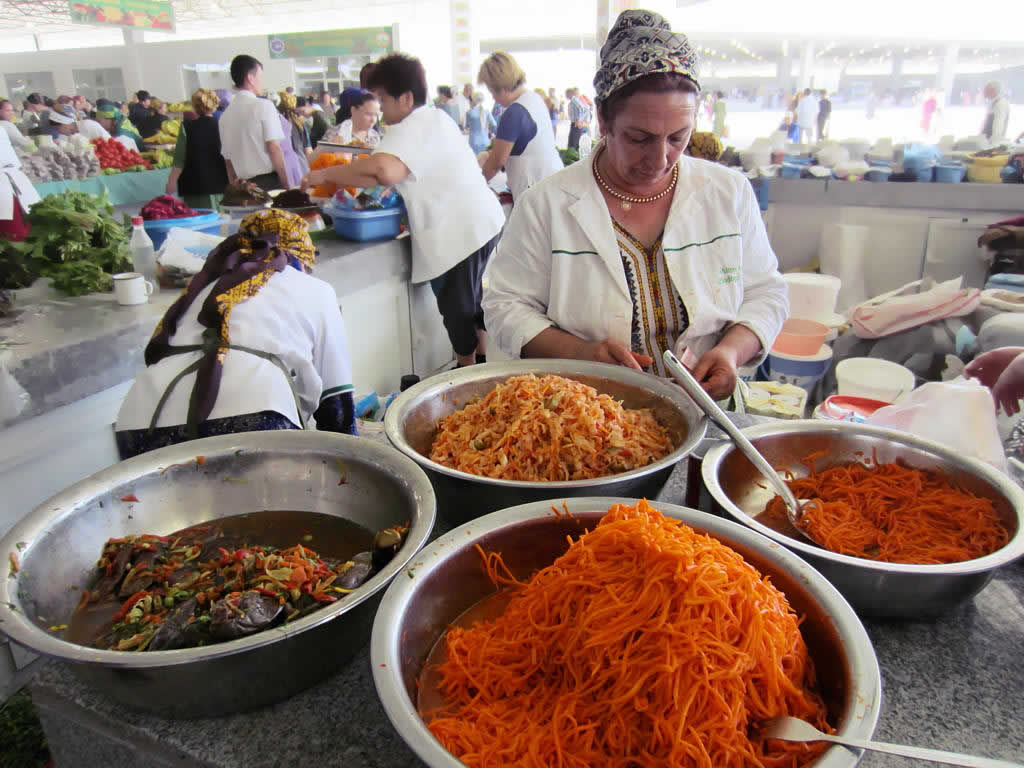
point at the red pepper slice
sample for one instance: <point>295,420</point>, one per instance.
<point>128,605</point>
<point>129,497</point>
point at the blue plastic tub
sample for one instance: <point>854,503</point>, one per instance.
<point>367,225</point>
<point>791,171</point>
<point>950,173</point>
<point>207,221</point>
<point>926,175</point>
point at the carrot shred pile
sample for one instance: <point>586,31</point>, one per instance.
<point>895,514</point>
<point>646,644</point>
<point>548,428</point>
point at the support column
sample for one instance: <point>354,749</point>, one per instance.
<point>134,72</point>
<point>806,66</point>
<point>896,76</point>
<point>948,72</point>
<point>784,70</point>
<point>465,44</point>
<point>607,12</point>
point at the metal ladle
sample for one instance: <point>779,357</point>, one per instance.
<point>794,508</point>
<point>793,729</point>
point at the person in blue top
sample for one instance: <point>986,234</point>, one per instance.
<point>481,124</point>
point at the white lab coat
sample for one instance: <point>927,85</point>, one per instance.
<point>558,263</point>
<point>15,188</point>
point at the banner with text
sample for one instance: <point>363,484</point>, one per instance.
<point>366,41</point>
<point>136,14</point>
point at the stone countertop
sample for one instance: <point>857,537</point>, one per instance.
<point>950,683</point>
<point>62,350</point>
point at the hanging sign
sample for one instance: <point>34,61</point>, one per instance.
<point>136,14</point>
<point>366,41</point>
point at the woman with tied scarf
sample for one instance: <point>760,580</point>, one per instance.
<point>296,141</point>
<point>639,248</point>
<point>199,174</point>
<point>254,343</point>
<point>118,126</point>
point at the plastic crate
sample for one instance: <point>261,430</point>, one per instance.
<point>207,221</point>
<point>951,173</point>
<point>368,225</point>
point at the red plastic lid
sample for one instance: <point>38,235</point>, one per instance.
<point>137,221</point>
<point>838,407</point>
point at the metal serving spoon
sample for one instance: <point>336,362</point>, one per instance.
<point>794,508</point>
<point>792,729</point>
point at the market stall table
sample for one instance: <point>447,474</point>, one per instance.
<point>948,683</point>
<point>122,188</point>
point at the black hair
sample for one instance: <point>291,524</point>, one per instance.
<point>364,74</point>
<point>300,101</point>
<point>661,82</point>
<point>49,102</point>
<point>719,94</point>
<point>349,99</point>
<point>397,74</point>
<point>445,91</point>
<point>34,98</point>
<point>142,96</point>
<point>242,66</point>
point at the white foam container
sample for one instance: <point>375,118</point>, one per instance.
<point>813,296</point>
<point>873,378</point>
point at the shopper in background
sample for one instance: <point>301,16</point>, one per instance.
<point>138,111</point>
<point>464,101</point>
<point>807,115</point>
<point>323,119</point>
<point>580,117</point>
<point>82,105</point>
<point>824,113</point>
<point>225,98</point>
<point>480,124</point>
<point>151,125</point>
<point>296,142</point>
<point>113,121</point>
<point>522,144</point>
<point>998,116</point>
<point>17,138</point>
<point>272,349</point>
<point>250,130</point>
<point>454,218</point>
<point>199,174</point>
<point>445,101</point>
<point>35,108</point>
<point>638,249</point>
<point>718,113</point>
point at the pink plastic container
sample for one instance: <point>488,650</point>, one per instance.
<point>800,337</point>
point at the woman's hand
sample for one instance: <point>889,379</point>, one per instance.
<point>1009,389</point>
<point>609,351</point>
<point>312,179</point>
<point>987,368</point>
<point>716,371</point>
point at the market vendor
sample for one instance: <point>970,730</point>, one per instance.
<point>260,341</point>
<point>118,126</point>
<point>17,138</point>
<point>454,218</point>
<point>17,195</point>
<point>61,122</point>
<point>640,248</point>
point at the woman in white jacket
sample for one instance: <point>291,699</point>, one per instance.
<point>638,249</point>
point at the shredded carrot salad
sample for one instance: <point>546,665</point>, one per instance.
<point>894,513</point>
<point>646,644</point>
<point>548,428</point>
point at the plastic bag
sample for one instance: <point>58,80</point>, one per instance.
<point>958,414</point>
<point>899,310</point>
<point>13,397</point>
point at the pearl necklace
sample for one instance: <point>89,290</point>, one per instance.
<point>627,201</point>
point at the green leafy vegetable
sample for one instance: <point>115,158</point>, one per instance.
<point>569,156</point>
<point>21,734</point>
<point>74,239</point>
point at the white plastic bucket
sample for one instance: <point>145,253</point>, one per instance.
<point>873,378</point>
<point>812,296</point>
<point>800,370</point>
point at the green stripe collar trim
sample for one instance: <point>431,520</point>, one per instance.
<point>709,242</point>
<point>336,391</point>
<point>574,253</point>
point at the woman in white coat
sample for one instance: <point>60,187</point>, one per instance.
<point>638,248</point>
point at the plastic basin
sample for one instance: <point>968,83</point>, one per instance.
<point>874,379</point>
<point>367,225</point>
<point>800,370</point>
<point>208,221</point>
<point>950,173</point>
<point>800,337</point>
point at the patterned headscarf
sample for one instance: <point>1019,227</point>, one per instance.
<point>642,43</point>
<point>288,100</point>
<point>205,101</point>
<point>266,243</point>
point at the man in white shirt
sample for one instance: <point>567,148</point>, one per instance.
<point>807,115</point>
<point>464,101</point>
<point>998,116</point>
<point>250,130</point>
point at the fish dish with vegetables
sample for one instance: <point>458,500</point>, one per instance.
<point>224,580</point>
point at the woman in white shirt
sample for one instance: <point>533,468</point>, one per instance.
<point>639,249</point>
<point>524,143</point>
<point>18,139</point>
<point>454,218</point>
<point>260,342</point>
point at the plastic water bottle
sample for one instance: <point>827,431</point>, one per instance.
<point>143,253</point>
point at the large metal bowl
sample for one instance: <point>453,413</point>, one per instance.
<point>873,588</point>
<point>411,425</point>
<point>58,545</point>
<point>447,578</point>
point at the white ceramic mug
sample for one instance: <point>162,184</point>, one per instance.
<point>132,288</point>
